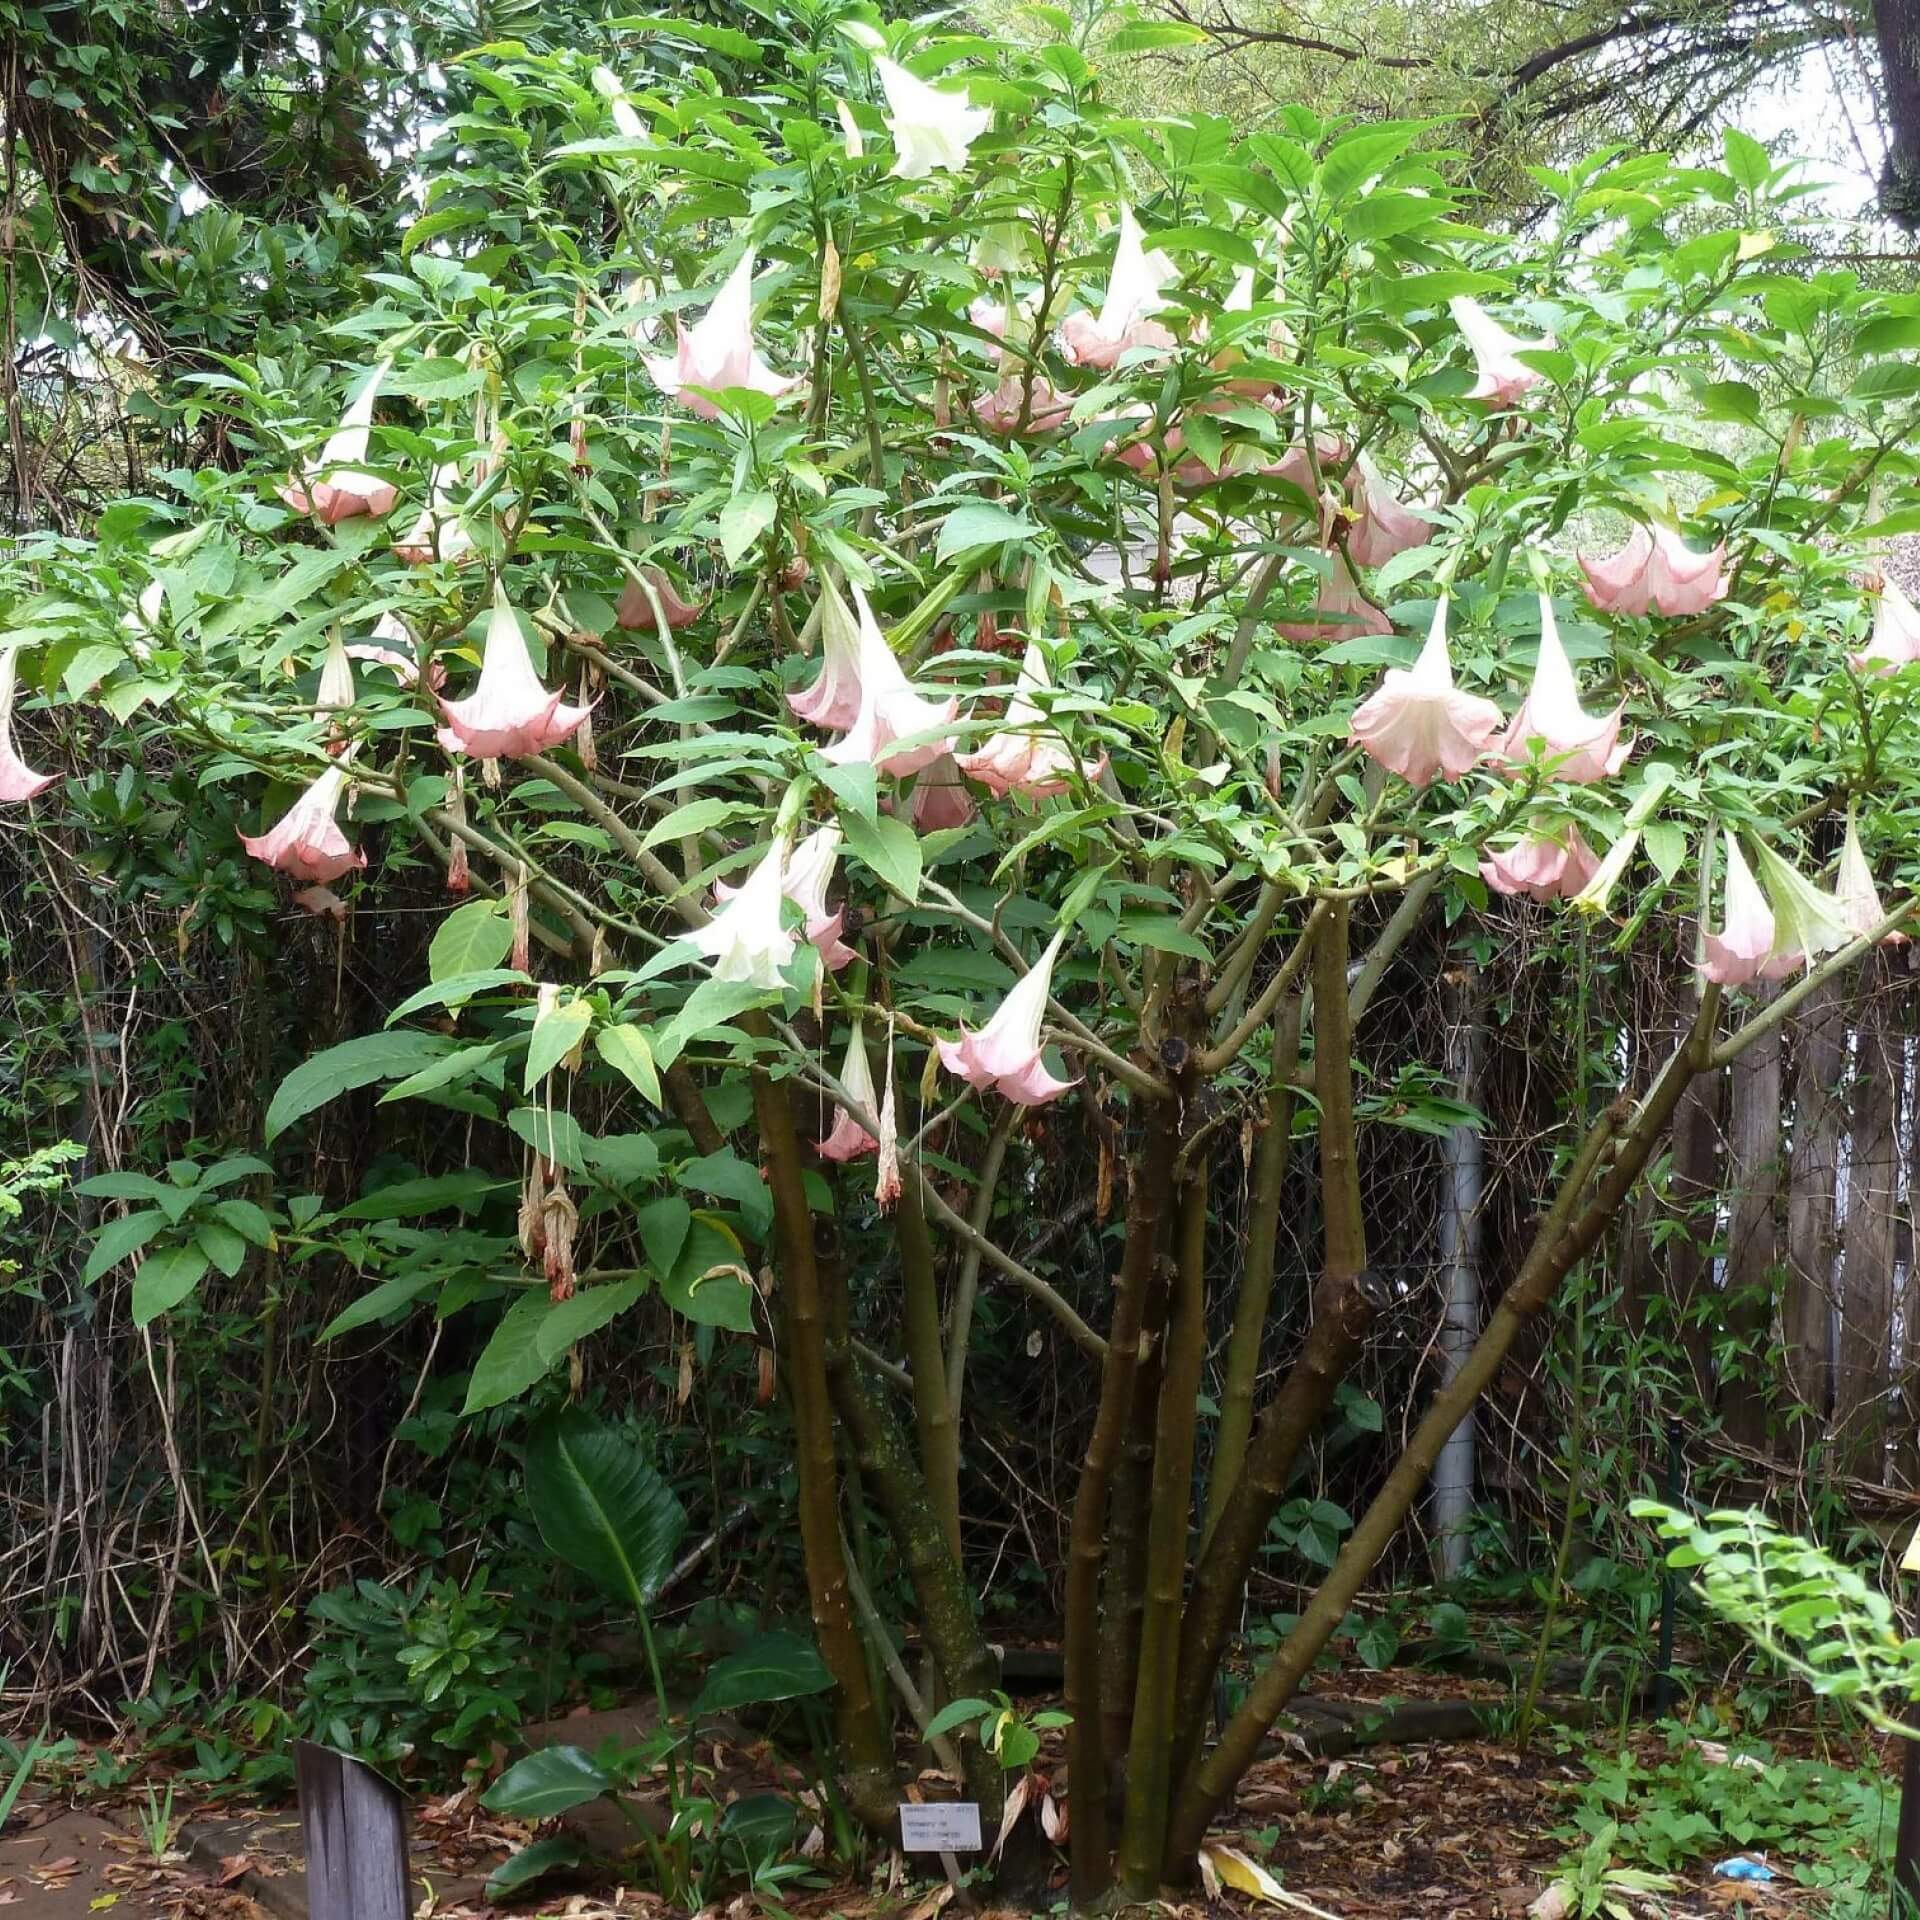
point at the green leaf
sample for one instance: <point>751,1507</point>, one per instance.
<point>890,847</point>
<point>511,1361</point>
<point>547,1783</point>
<point>166,1277</point>
<point>407,1199</point>
<point>89,667</point>
<point>710,1005</point>
<point>586,1312</point>
<point>553,1135</point>
<point>521,1869</point>
<point>225,1248</point>
<point>627,1052</point>
<point>453,1069</point>
<point>1747,160</point>
<point>353,1063</point>
<point>601,1507</point>
<point>457,989</point>
<point>697,816</point>
<point>956,1713</point>
<point>707,1284</point>
<point>981,525</point>
<point>388,1297</point>
<point>663,1228</point>
<point>742,521</point>
<point>727,1177</point>
<point>778,1666</point>
<point>557,1030</point>
<point>471,939</point>
<point>119,1238</point>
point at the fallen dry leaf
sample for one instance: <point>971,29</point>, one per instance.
<point>234,1867</point>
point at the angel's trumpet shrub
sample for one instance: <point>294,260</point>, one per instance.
<point>1419,725</point>
<point>847,1139</point>
<point>633,611</point>
<point>1896,634</point>
<point>336,486</point>
<point>889,710</point>
<point>1006,1053</point>
<point>18,781</point>
<point>1655,572</point>
<point>940,798</point>
<point>1385,525</point>
<point>438,532</point>
<point>1015,408</point>
<point>833,699</point>
<point>306,842</point>
<point>1543,866</point>
<point>805,880</point>
<point>1501,376</point>
<point>746,940</point>
<point>509,713</point>
<point>717,354</point>
<point>1125,320</point>
<point>1806,921</point>
<point>1021,758</point>
<point>932,128</point>
<point>1576,746</point>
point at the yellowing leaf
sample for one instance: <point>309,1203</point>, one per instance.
<point>1221,1865</point>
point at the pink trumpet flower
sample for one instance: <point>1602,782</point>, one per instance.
<point>307,842</point>
<point>718,354</point>
<point>889,711</point>
<point>940,798</point>
<point>634,610</point>
<point>1739,952</point>
<point>833,701</point>
<point>932,128</point>
<point>398,656</point>
<point>1579,748</point>
<point>509,712</point>
<point>1386,525</point>
<point>337,486</point>
<point>1543,866</point>
<point>18,781</point>
<point>438,532</point>
<point>1419,724</point>
<point>808,874</point>
<point>1656,572</point>
<point>1006,1053</point>
<point>1124,321</point>
<point>1022,758</point>
<point>847,1139</point>
<point>1859,898</point>
<point>745,939</point>
<point>1000,410</point>
<point>1340,611</point>
<point>1806,922</point>
<point>1502,377</point>
<point>1896,634</point>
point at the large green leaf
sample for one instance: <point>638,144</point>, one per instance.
<point>512,1360</point>
<point>166,1277</point>
<point>601,1508</point>
<point>777,1666</point>
<point>586,1312</point>
<point>546,1783</point>
<point>521,1869</point>
<point>353,1063</point>
<point>119,1238</point>
<point>471,939</point>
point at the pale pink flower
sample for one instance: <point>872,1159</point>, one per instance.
<point>1340,610</point>
<point>1419,724</point>
<point>833,700</point>
<point>1386,526</point>
<point>1806,921</point>
<point>940,798</point>
<point>889,711</point>
<point>438,532</point>
<point>1124,321</point>
<point>18,781</point>
<point>809,874</point>
<point>1502,378</point>
<point>633,611</point>
<point>932,128</point>
<point>718,354</point>
<point>1579,747</point>
<point>335,691</point>
<point>336,486</point>
<point>1022,758</point>
<point>398,654</point>
<point>1740,951</point>
<point>1006,1053</point>
<point>1000,410</point>
<point>1543,866</point>
<point>1656,571</point>
<point>509,712</point>
<point>745,939</point>
<point>847,1139</point>
<point>1896,634</point>
<point>307,841</point>
<point>1859,898</point>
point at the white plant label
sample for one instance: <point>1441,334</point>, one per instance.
<point>942,1826</point>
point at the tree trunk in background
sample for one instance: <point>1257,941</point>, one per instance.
<point>1863,1382</point>
<point>1685,1261</point>
<point>1819,1048</point>
<point>1463,1157</point>
<point>1753,1235</point>
<point>1896,26</point>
